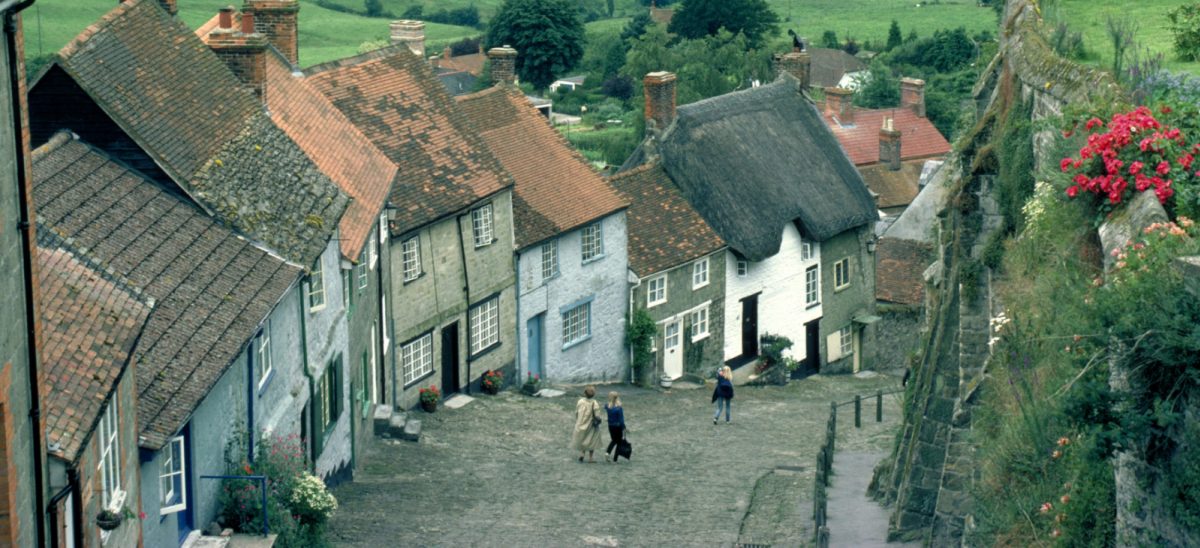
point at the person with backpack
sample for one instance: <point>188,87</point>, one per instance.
<point>587,425</point>
<point>723,393</point>
<point>616,427</point>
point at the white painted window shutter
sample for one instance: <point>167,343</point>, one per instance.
<point>833,346</point>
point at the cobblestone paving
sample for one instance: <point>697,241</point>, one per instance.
<point>498,472</point>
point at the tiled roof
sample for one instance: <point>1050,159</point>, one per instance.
<point>899,270</point>
<point>458,82</point>
<point>173,96</point>
<point>211,286</point>
<point>472,63</point>
<point>557,189</point>
<point>828,66</point>
<point>662,16</point>
<point>895,188</point>
<point>395,99</point>
<point>664,231</point>
<point>919,140</point>
<point>336,146</point>
<point>90,323</point>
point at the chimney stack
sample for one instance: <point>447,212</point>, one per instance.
<point>797,63</point>
<point>170,6</point>
<point>276,19</point>
<point>504,64</point>
<point>889,145</point>
<point>839,102</point>
<point>411,34</point>
<point>243,51</point>
<point>912,95</point>
<point>447,53</point>
<point>660,97</point>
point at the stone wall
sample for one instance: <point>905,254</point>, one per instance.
<point>899,335</point>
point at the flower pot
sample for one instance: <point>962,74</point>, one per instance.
<point>493,389</point>
<point>429,406</point>
<point>108,524</point>
<point>529,389</point>
<point>665,381</point>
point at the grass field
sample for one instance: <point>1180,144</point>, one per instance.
<point>870,19</point>
<point>1089,16</point>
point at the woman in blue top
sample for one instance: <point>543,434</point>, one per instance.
<point>723,393</point>
<point>616,425</point>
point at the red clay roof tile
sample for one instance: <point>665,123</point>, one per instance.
<point>920,138</point>
<point>899,270</point>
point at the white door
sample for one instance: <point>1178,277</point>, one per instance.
<point>673,350</point>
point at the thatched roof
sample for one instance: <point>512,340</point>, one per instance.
<point>753,160</point>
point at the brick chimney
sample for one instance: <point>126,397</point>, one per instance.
<point>243,51</point>
<point>276,19</point>
<point>504,65</point>
<point>797,63</point>
<point>889,145</point>
<point>660,97</point>
<point>447,53</point>
<point>839,102</point>
<point>912,95</point>
<point>410,33</point>
<point>169,5</point>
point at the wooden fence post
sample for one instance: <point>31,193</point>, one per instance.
<point>857,411</point>
<point>823,537</point>
<point>879,406</point>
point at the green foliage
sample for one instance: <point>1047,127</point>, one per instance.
<point>547,33</point>
<point>374,8</point>
<point>485,77</point>
<point>372,45</point>
<point>640,331</point>
<point>636,26</point>
<point>1066,44</point>
<point>697,19</point>
<point>829,40</point>
<point>1181,488</point>
<point>970,275</point>
<point>1184,24</point>
<point>707,67</point>
<point>880,90</point>
<point>993,250</point>
<point>1014,182</point>
<point>895,39</point>
<point>1121,33</point>
<point>773,347</point>
<point>945,51</point>
<point>611,145</point>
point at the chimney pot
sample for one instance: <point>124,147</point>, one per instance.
<point>889,145</point>
<point>912,95</point>
<point>504,64</point>
<point>245,52</point>
<point>247,23</point>
<point>225,18</point>
<point>660,97</point>
<point>840,103</point>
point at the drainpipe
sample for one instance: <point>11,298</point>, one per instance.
<point>11,8</point>
<point>632,291</point>
<point>462,249</point>
<point>308,375</point>
<point>517,270</point>
<point>52,509</point>
<point>250,402</point>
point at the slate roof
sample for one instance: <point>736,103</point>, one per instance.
<point>920,138</point>
<point>828,66</point>
<point>394,98</point>
<point>753,160</point>
<point>556,188</point>
<point>173,96</point>
<point>471,63</point>
<point>337,148</point>
<point>895,188</point>
<point>458,82</point>
<point>899,270</point>
<point>90,323</point>
<point>663,229</point>
<point>211,286</point>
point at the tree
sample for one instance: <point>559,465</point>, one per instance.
<point>414,13</point>
<point>614,59</point>
<point>620,87</point>
<point>374,8</point>
<point>878,90</point>
<point>829,40</point>
<point>894,36</point>
<point>610,8</point>
<point>851,46</point>
<point>547,35</point>
<point>699,18</point>
<point>636,26</point>
<point>710,66</point>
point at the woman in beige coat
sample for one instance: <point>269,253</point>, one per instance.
<point>587,425</point>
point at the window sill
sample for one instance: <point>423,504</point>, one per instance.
<point>556,276</point>
<point>703,285</point>
<point>578,342</point>
<point>594,259</point>
<point>841,289</point>
<point>315,309</point>
<point>652,305</point>
<point>700,337</point>
<point>423,376</point>
<point>265,382</point>
<point>417,277</point>
<point>813,305</point>
<point>480,246</point>
<point>484,351</point>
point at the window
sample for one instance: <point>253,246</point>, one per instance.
<point>485,325</point>
<point>383,313</point>
<point>316,287</point>
<point>699,324</point>
<point>481,223</point>
<point>331,394</point>
<point>812,286</point>
<point>412,258</point>
<point>383,228</point>
<point>657,293</point>
<point>374,253</point>
<point>841,273</point>
<point>417,358</point>
<point>805,251</point>
<point>593,241</point>
<point>172,483</point>
<point>549,259</point>
<point>361,272</point>
<point>577,324</point>
<point>700,273</point>
<point>346,288</point>
<point>847,337</point>
<point>110,454</point>
<point>743,268</point>
<point>262,354</point>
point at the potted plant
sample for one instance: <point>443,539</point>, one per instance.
<point>491,382</point>
<point>108,520</point>
<point>531,385</point>
<point>430,398</point>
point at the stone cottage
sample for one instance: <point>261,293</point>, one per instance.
<point>677,270</point>
<point>766,174</point>
<point>453,287</point>
<point>570,239</point>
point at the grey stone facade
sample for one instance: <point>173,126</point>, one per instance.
<point>841,306</point>
<point>455,277</point>
<point>369,361</point>
<point>701,357</point>
<point>327,338</point>
<point>600,284</point>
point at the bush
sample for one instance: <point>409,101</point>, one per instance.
<point>1015,182</point>
<point>614,145</point>
<point>372,45</point>
<point>466,46</point>
<point>619,87</point>
<point>1184,24</point>
<point>829,40</point>
<point>1181,489</point>
<point>311,501</point>
<point>1067,44</point>
<point>993,250</point>
<point>945,51</point>
<point>640,331</point>
<point>374,8</point>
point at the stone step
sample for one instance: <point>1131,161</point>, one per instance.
<point>383,414</point>
<point>412,430</point>
<point>396,424</point>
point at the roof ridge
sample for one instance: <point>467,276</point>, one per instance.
<point>477,94</point>
<point>62,137</point>
<point>644,167</point>
<point>121,9</point>
<point>360,59</point>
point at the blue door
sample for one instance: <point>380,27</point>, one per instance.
<point>534,327</point>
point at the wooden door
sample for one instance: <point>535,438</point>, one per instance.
<point>534,327</point>
<point>673,349</point>
<point>811,364</point>
<point>750,326</point>
<point>449,359</point>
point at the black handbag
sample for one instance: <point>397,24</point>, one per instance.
<point>624,449</point>
<point>595,419</point>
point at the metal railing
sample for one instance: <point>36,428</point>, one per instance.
<point>263,479</point>
<point>825,460</point>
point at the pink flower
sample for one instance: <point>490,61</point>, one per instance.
<point>1056,454</point>
<point>1066,164</point>
<point>1072,191</point>
<point>1065,498</point>
<point>1135,167</point>
<point>1163,168</point>
<point>1047,507</point>
<point>1055,533</point>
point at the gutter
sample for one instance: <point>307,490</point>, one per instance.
<point>11,8</point>
<point>76,509</point>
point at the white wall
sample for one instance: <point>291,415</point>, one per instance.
<point>781,308</point>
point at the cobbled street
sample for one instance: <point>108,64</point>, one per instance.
<point>498,472</point>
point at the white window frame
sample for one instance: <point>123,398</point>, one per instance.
<point>846,340</point>
<point>577,324</point>
<point>383,330</point>
<point>481,226</point>
<point>374,372</point>
<point>812,285</point>
<point>108,466</point>
<point>416,358</point>
<point>550,259</point>
<point>485,325</point>
<point>175,464</point>
<point>743,268</point>
<point>841,274</point>
<point>316,287</point>
<point>374,250</point>
<point>361,272</point>
<point>328,397</point>
<point>411,258</point>
<point>700,273</point>
<point>383,228</point>
<point>699,319</point>
<point>592,242</point>
<point>661,291</point>
<point>262,354</point>
<point>805,250</point>
<point>346,288</point>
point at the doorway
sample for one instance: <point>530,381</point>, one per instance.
<point>449,360</point>
<point>184,518</point>
<point>811,364</point>
<point>534,327</point>
<point>750,326</point>
<point>673,349</point>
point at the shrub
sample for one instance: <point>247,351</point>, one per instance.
<point>1067,44</point>
<point>372,45</point>
<point>640,332</point>
<point>1184,24</point>
<point>374,8</point>
<point>993,250</point>
<point>829,40</point>
<point>1181,488</point>
<point>466,46</point>
<point>1015,181</point>
<point>618,87</point>
<point>311,501</point>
